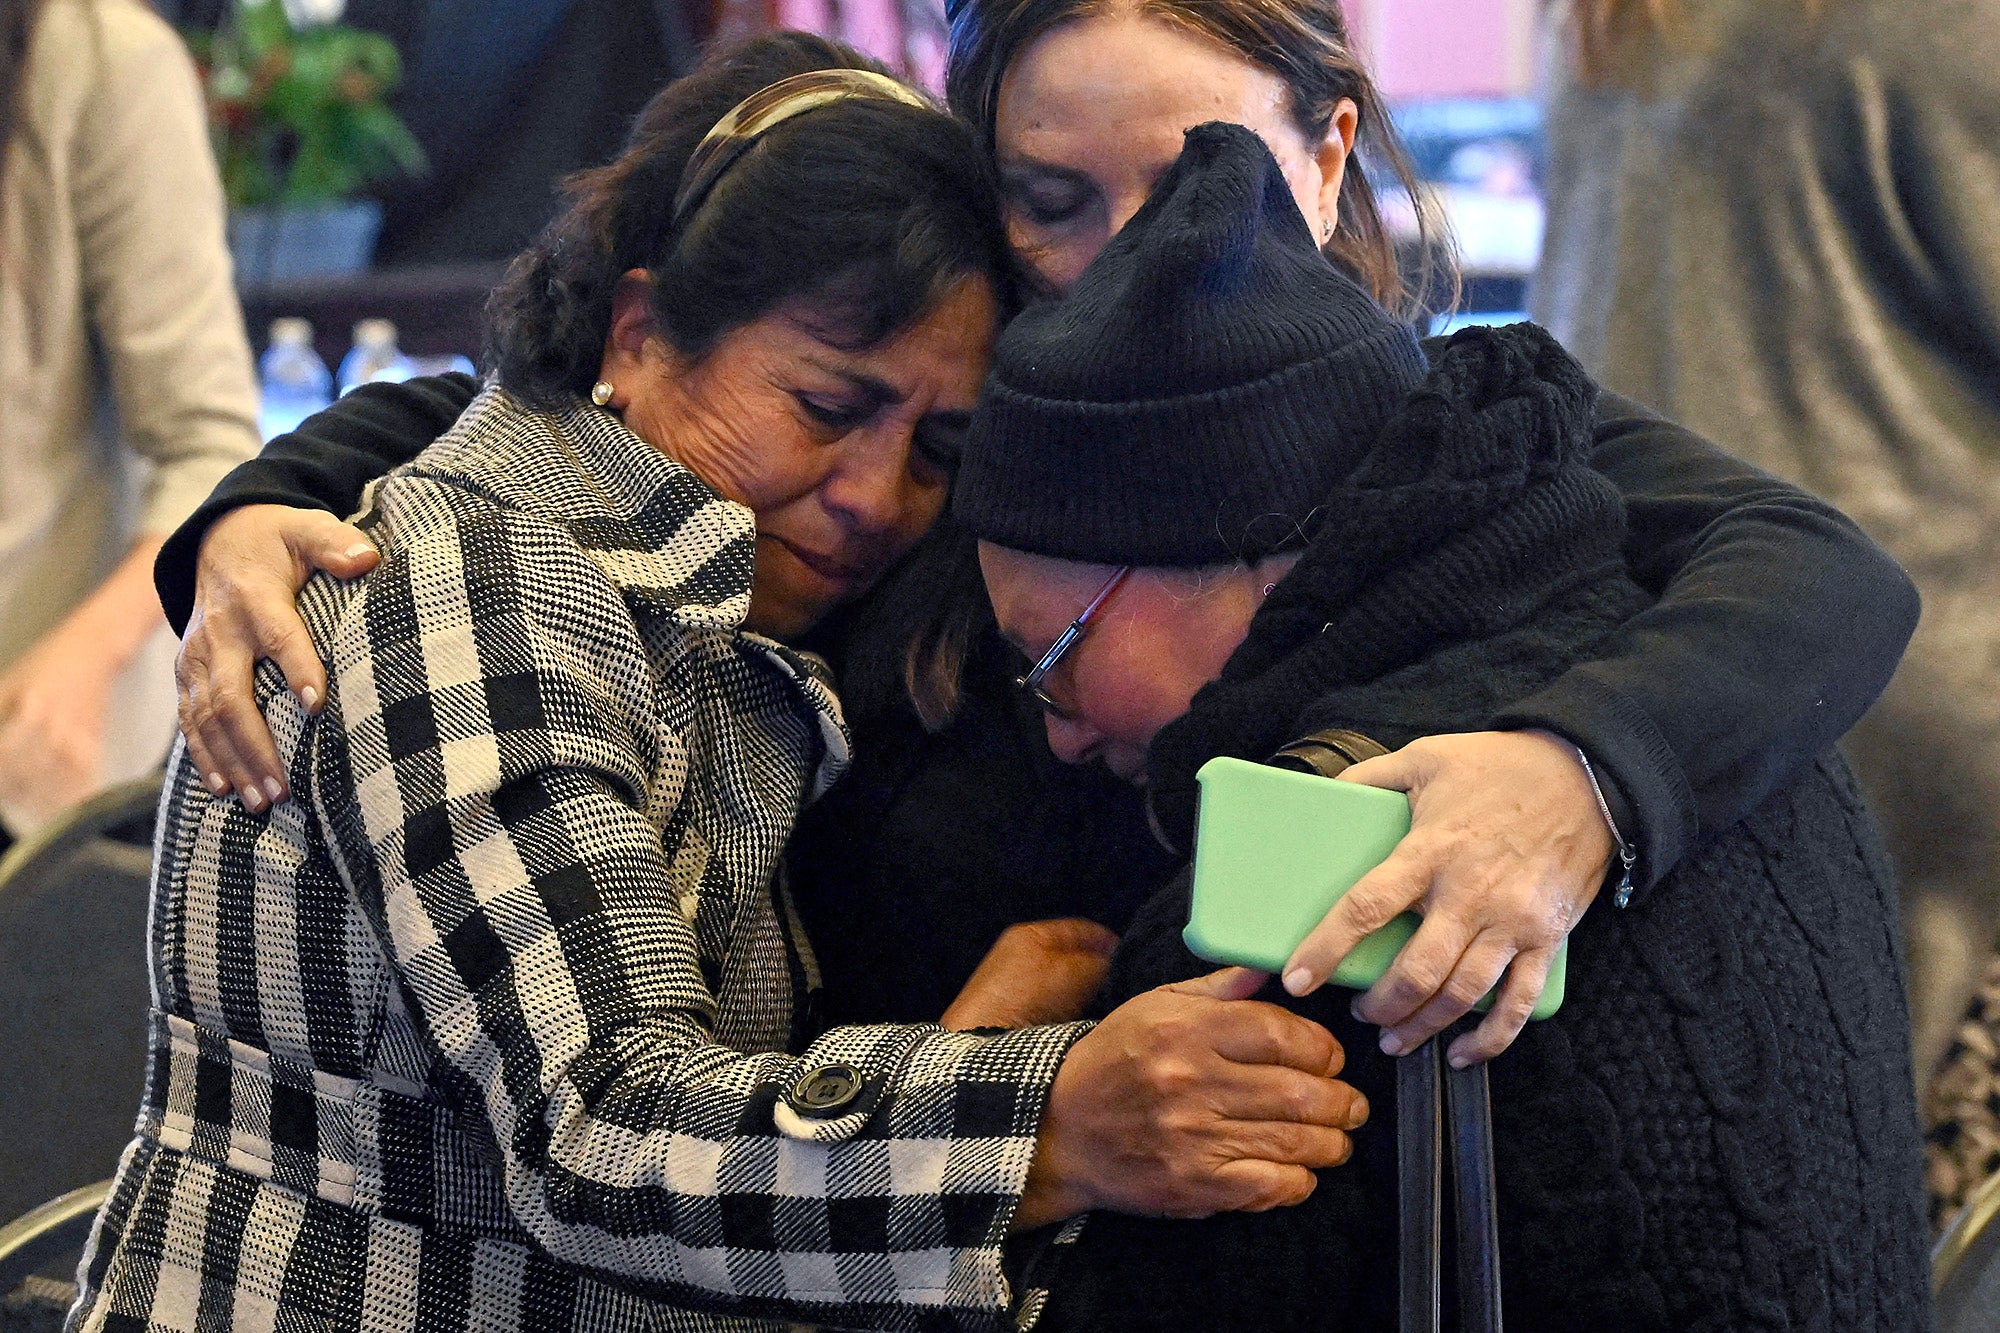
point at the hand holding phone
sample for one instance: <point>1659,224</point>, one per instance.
<point>1275,849</point>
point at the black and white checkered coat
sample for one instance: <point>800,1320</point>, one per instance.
<point>484,1031</point>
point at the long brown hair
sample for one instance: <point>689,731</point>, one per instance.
<point>17,30</point>
<point>1305,43</point>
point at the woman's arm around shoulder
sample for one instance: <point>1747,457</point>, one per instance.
<point>230,576</point>
<point>323,465</point>
<point>1779,623</point>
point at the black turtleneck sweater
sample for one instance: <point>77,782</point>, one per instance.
<point>1717,1131</point>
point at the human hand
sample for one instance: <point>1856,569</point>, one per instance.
<point>1036,972</point>
<point>253,562</point>
<point>1191,1100</point>
<point>53,704</point>
<point>1506,849</point>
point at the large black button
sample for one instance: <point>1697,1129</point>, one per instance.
<point>825,1092</point>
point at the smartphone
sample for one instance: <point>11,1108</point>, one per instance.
<point>1274,851</point>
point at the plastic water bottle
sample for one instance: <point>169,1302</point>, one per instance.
<point>373,357</point>
<point>296,383</point>
<point>442,365</point>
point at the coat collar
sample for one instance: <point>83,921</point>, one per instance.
<point>661,535</point>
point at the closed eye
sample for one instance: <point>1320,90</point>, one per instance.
<point>835,416</point>
<point>1044,197</point>
<point>941,438</point>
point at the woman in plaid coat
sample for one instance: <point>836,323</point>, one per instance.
<point>501,1024</point>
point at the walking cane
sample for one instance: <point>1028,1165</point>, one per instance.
<point>1428,1092</point>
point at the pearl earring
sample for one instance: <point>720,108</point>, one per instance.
<point>600,393</point>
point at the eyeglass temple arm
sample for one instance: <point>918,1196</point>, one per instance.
<point>1057,649</point>
<point>1070,635</point>
<point>1102,593</point>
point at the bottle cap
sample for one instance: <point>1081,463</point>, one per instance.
<point>374,333</point>
<point>292,331</point>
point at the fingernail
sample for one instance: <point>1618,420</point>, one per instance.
<point>1391,1044</point>
<point>1459,1061</point>
<point>357,550</point>
<point>274,789</point>
<point>1298,981</point>
<point>253,800</point>
<point>216,785</point>
<point>310,696</point>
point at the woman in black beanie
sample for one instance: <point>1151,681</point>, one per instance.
<point>1717,1130</point>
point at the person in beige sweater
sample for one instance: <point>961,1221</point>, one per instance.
<point>126,385</point>
<point>1777,222</point>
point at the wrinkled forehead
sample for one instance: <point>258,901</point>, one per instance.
<point>1118,93</point>
<point>942,354</point>
<point>1036,596</point>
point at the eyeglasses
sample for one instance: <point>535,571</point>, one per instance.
<point>1031,683</point>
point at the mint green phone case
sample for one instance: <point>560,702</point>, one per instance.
<point>1274,851</point>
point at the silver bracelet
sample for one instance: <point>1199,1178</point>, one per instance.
<point>1627,858</point>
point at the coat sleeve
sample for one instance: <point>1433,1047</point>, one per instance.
<point>486,764</point>
<point>149,218</point>
<point>1778,625</point>
<point>324,464</point>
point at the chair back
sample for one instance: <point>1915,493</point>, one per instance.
<point>48,1234</point>
<point>1965,1267</point>
<point>73,995</point>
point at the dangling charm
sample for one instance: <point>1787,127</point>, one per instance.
<point>600,393</point>
<point>1325,230</point>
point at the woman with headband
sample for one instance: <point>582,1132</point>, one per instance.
<point>503,1021</point>
<point>1777,624</point>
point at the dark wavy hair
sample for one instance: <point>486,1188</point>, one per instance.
<point>1305,43</point>
<point>871,210</point>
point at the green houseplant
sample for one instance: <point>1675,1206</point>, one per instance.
<point>300,126</point>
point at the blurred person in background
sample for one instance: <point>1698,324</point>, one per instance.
<point>1779,221</point>
<point>1963,1103</point>
<point>126,389</point>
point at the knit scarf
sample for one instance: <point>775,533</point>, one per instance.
<point>1476,505</point>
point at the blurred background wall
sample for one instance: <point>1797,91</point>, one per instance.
<point>505,97</point>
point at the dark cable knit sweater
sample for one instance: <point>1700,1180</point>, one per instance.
<point>1717,1131</point>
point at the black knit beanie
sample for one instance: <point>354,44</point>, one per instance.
<point>1207,382</point>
